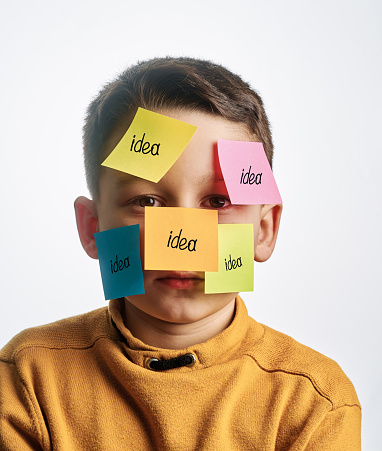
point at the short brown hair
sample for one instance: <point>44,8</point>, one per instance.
<point>159,83</point>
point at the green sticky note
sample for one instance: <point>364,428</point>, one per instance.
<point>236,256</point>
<point>151,145</point>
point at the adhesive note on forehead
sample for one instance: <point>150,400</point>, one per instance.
<point>236,255</point>
<point>247,174</point>
<point>181,239</point>
<point>120,261</point>
<point>151,145</point>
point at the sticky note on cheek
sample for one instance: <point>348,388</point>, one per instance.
<point>181,239</point>
<point>236,255</point>
<point>151,145</point>
<point>247,174</point>
<point>120,261</point>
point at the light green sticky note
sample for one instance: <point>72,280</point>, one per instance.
<point>236,255</point>
<point>151,145</point>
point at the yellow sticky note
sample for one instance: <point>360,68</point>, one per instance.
<point>236,255</point>
<point>151,145</point>
<point>181,239</point>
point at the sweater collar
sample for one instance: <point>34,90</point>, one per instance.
<point>229,344</point>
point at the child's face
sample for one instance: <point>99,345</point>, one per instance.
<point>194,181</point>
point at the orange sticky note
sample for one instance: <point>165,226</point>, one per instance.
<point>151,145</point>
<point>181,239</point>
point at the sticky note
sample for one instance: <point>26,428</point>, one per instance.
<point>151,145</point>
<point>120,261</point>
<point>236,255</point>
<point>247,174</point>
<point>181,239</point>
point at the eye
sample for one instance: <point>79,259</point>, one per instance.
<point>218,202</point>
<point>146,202</point>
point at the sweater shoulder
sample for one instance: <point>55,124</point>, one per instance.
<point>76,332</point>
<point>278,352</point>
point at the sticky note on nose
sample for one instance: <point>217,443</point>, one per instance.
<point>236,255</point>
<point>247,174</point>
<point>120,261</point>
<point>181,239</point>
<point>151,145</point>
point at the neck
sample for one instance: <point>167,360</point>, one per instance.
<point>163,334</point>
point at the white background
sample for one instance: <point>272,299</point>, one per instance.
<point>317,66</point>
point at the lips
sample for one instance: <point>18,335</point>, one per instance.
<point>180,280</point>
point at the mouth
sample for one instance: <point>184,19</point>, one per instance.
<point>180,280</point>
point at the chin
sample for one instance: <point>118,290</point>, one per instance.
<point>181,307</point>
<point>181,310</point>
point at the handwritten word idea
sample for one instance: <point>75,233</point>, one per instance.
<point>232,263</point>
<point>144,147</point>
<point>182,244</point>
<point>118,265</point>
<point>250,177</point>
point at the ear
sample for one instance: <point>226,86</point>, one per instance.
<point>87,224</point>
<point>268,230</point>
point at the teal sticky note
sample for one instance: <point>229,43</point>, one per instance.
<point>120,261</point>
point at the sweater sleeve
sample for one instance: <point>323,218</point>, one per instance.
<point>18,424</point>
<point>339,430</point>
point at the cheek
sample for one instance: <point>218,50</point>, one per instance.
<point>240,214</point>
<point>110,218</point>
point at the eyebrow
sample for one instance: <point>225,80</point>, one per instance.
<point>129,180</point>
<point>121,182</point>
<point>211,177</point>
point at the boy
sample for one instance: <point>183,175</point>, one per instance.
<point>174,368</point>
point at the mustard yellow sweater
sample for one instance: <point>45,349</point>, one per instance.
<point>82,384</point>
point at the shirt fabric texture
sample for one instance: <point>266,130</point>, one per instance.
<point>82,384</point>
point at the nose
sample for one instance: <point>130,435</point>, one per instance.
<point>183,198</point>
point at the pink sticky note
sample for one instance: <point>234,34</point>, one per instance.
<point>247,173</point>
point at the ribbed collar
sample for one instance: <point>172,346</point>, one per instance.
<point>239,336</point>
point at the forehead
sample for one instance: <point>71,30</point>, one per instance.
<point>199,161</point>
<point>210,126</point>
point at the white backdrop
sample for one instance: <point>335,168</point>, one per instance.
<point>318,68</point>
